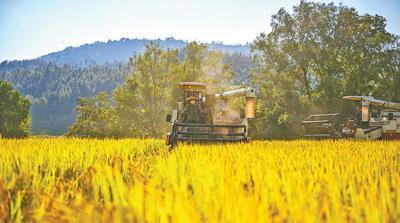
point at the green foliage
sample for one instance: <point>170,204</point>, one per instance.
<point>54,89</point>
<point>194,53</point>
<point>143,100</point>
<point>313,57</point>
<point>96,117</point>
<point>150,91</point>
<point>14,112</point>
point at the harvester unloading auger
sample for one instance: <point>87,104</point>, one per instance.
<point>363,126</point>
<point>204,117</point>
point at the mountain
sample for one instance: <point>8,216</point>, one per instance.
<point>112,51</point>
<point>120,50</point>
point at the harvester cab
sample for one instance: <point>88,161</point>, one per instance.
<point>202,117</point>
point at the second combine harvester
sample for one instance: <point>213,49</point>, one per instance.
<point>202,117</point>
<point>385,125</point>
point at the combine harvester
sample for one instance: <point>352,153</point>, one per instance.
<point>385,126</point>
<point>204,117</point>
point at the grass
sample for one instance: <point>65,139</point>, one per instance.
<point>90,180</point>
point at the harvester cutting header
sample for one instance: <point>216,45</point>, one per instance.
<point>209,117</point>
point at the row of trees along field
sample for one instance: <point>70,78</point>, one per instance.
<point>311,58</point>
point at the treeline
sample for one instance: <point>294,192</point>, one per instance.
<point>121,50</point>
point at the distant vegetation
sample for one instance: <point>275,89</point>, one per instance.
<point>55,82</point>
<point>14,112</point>
<point>121,50</point>
<point>313,56</point>
<point>54,90</point>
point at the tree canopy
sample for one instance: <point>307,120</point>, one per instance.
<point>14,112</point>
<point>314,56</point>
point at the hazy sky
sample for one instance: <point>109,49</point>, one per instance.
<point>31,28</point>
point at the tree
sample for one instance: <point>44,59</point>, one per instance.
<point>217,73</point>
<point>144,99</point>
<point>54,89</point>
<point>194,54</point>
<point>14,112</point>
<point>96,117</point>
<point>390,76</point>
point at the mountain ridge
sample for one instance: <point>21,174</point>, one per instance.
<point>113,51</point>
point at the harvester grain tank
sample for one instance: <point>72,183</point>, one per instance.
<point>201,117</point>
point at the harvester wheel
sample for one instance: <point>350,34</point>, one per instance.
<point>172,145</point>
<point>168,139</point>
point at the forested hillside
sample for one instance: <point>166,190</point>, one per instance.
<point>113,51</point>
<point>53,90</point>
<point>54,82</point>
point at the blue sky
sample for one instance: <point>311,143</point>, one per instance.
<point>31,28</point>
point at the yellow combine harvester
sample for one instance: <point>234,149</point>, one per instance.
<point>202,117</point>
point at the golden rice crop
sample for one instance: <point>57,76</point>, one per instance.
<point>90,180</point>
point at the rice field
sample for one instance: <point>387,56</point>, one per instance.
<point>139,180</point>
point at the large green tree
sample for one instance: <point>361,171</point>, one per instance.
<point>315,55</point>
<point>96,117</point>
<point>14,112</point>
<point>144,99</point>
